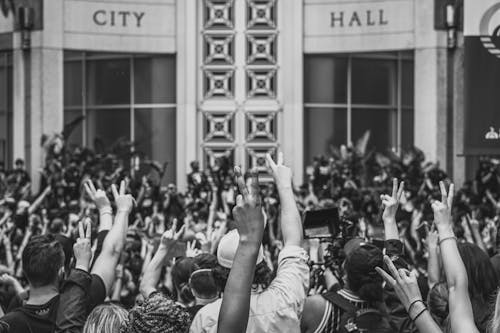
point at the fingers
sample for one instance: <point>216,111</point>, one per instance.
<point>115,191</point>
<point>270,162</point>
<point>400,190</point>
<point>444,195</point>
<point>254,185</point>
<point>280,158</point>
<point>240,181</point>
<point>89,191</point>
<point>392,269</point>
<point>174,226</point>
<point>239,200</point>
<point>387,278</point>
<point>81,231</point>
<point>394,188</point>
<point>180,232</point>
<point>88,229</point>
<point>122,187</point>
<point>451,194</point>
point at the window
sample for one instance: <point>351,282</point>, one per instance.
<point>122,96</point>
<point>6,108</point>
<point>346,95</point>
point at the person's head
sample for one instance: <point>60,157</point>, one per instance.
<point>19,164</point>
<point>225,257</point>
<point>106,318</point>
<point>482,277</point>
<point>158,314</point>
<point>56,226</point>
<point>195,166</point>
<point>43,261</point>
<point>181,272</point>
<point>203,284</point>
<point>362,278</point>
<point>205,260</point>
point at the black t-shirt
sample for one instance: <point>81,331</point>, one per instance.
<point>32,318</point>
<point>42,318</point>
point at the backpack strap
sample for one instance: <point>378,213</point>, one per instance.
<point>334,298</point>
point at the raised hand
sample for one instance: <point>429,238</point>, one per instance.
<point>124,202</point>
<point>442,209</point>
<point>282,175</point>
<point>83,248</point>
<point>391,202</point>
<point>171,236</point>
<point>404,283</point>
<point>99,197</point>
<point>191,250</point>
<point>247,213</point>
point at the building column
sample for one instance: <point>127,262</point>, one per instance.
<point>187,36</point>
<point>19,100</point>
<point>291,55</point>
<point>46,109</point>
<point>459,172</point>
<point>430,85</point>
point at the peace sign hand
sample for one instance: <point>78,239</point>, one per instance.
<point>124,202</point>
<point>82,249</point>
<point>391,203</point>
<point>247,213</point>
<point>442,209</point>
<point>282,174</point>
<point>170,237</point>
<point>99,197</point>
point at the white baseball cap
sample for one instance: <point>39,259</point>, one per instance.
<point>227,249</point>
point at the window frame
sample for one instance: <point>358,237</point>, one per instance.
<point>83,58</point>
<point>398,107</point>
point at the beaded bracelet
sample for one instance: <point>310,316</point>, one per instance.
<point>419,314</point>
<point>447,238</point>
<point>415,302</point>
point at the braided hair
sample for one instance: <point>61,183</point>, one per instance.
<point>157,314</point>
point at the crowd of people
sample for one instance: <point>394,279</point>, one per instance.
<point>108,245</point>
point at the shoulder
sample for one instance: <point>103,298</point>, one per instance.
<point>314,311</point>
<point>207,315</point>
<point>12,321</point>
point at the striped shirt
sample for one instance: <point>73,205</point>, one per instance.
<point>330,322</point>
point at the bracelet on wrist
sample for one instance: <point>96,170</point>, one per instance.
<point>447,238</point>
<point>419,314</point>
<point>123,211</point>
<point>413,303</point>
<point>106,210</point>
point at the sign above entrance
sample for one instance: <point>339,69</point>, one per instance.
<point>351,26</point>
<point>114,26</point>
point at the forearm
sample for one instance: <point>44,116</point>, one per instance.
<point>433,267</point>
<point>291,224</point>
<point>456,275</point>
<point>426,324</point>
<point>233,316</point>
<point>37,202</point>
<point>9,258</point>
<point>117,289</point>
<point>391,229</point>
<point>152,272</point>
<point>105,218</point>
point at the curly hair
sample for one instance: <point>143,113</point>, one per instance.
<point>157,314</point>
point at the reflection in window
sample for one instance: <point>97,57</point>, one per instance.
<point>122,97</point>
<point>374,92</point>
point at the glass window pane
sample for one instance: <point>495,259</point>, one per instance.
<point>407,129</point>
<point>73,83</point>
<point>381,123</point>
<point>407,84</point>
<point>74,127</point>
<point>106,127</point>
<point>108,82</point>
<point>155,133</point>
<point>374,81</point>
<point>326,79</point>
<point>154,80</point>
<point>323,128</point>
